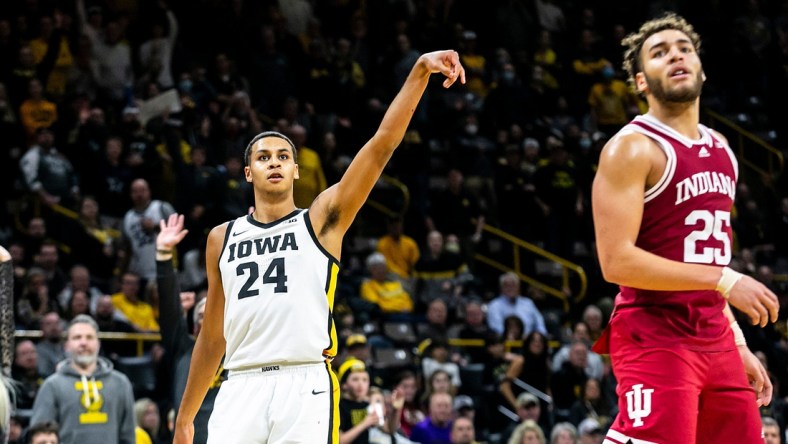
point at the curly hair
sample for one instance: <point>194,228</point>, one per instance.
<point>634,41</point>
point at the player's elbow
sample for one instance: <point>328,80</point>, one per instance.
<point>614,270</point>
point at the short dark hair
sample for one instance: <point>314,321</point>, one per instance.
<point>263,135</point>
<point>40,428</point>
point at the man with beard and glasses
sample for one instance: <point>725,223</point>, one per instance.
<point>90,401</point>
<point>662,198</point>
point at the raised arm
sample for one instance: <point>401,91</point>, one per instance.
<point>627,164</point>
<point>210,346</point>
<point>335,208</point>
<point>174,331</point>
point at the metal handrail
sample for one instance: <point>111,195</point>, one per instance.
<point>566,267</point>
<point>775,161</point>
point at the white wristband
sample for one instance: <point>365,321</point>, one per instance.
<point>738,335</point>
<point>728,279</point>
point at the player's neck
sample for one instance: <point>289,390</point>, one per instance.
<point>270,211</point>
<point>682,117</point>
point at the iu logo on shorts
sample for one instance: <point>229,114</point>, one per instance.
<point>638,404</point>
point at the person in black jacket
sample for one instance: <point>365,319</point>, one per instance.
<point>177,339</point>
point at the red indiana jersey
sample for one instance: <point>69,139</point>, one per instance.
<point>686,218</point>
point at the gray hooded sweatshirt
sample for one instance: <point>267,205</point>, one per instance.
<point>96,409</point>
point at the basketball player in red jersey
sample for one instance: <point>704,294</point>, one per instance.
<point>662,199</point>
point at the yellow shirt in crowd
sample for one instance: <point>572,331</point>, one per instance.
<point>140,314</point>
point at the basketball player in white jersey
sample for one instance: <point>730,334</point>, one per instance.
<point>271,281</point>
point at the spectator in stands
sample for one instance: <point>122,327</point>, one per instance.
<point>436,327</point>
<point>592,316</point>
<point>580,332</point>
<point>311,179</point>
<point>48,173</point>
<point>111,55</point>
<point>384,289</point>
<point>528,409</point>
<point>563,433</point>
<point>177,333</point>
<point>48,259</point>
<point>78,304</point>
<point>93,244</point>
<point>139,313</point>
<point>32,240</point>
<point>528,432</point>
<point>113,178</point>
<point>146,416</point>
<point>36,112</point>
<point>474,327</point>
<point>355,417</point>
<point>590,431</point>
<point>43,433</point>
<point>500,369</point>
<point>438,382</point>
<point>536,370</point>
<point>390,410</point>
<point>51,34</point>
<point>592,404</point>
<point>511,302</point>
<point>139,229</point>
<point>356,347</point>
<point>155,54</point>
<point>513,328</point>
<point>771,431</point>
<point>80,281</point>
<point>405,383</point>
<point>438,272</point>
<point>436,428</point>
<point>437,357</point>
<point>455,210</point>
<point>462,431</point>
<point>50,349</point>
<point>400,250</point>
<point>612,102</point>
<point>25,371</point>
<point>34,301</point>
<point>567,383</point>
<point>92,402</point>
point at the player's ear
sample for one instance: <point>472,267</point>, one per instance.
<point>248,174</point>
<point>296,174</point>
<point>640,82</point>
<point>703,75</point>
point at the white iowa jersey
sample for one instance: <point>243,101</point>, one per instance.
<point>279,287</point>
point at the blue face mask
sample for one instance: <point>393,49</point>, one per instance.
<point>608,72</point>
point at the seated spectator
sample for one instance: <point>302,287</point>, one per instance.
<point>147,419</point>
<point>511,302</point>
<point>592,316</point>
<point>437,357</point>
<point>383,288</point>
<point>591,404</point>
<point>563,433</point>
<point>355,418</point>
<point>462,431</point>
<point>50,348</point>
<point>500,369</point>
<point>595,367</point>
<point>25,371</point>
<point>436,428</point>
<point>536,370</point>
<point>78,304</point>
<point>139,313</point>
<point>439,273</point>
<point>108,319</point>
<point>43,433</point>
<point>567,383</point>
<point>474,327</point>
<point>79,281</point>
<point>436,328</point>
<point>438,382</point>
<point>405,383</point>
<point>528,409</point>
<point>771,430</point>
<point>528,432</point>
<point>34,302</point>
<point>400,250</point>
<point>48,173</point>
<point>590,431</point>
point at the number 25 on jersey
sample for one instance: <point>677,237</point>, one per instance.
<point>711,225</point>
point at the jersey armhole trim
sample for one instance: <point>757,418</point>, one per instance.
<point>226,238</point>
<point>670,165</point>
<point>311,231</point>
